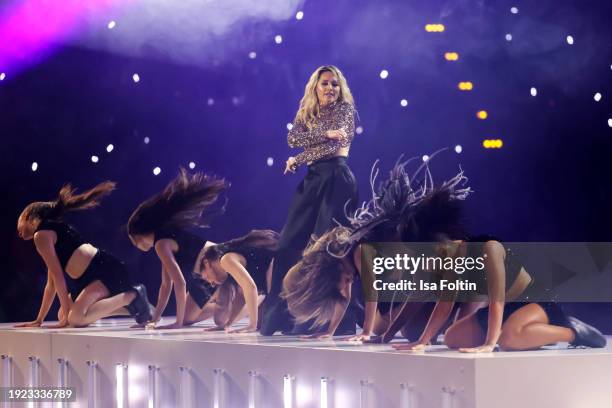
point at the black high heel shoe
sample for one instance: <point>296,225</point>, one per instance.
<point>586,335</point>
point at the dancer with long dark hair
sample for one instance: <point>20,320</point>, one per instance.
<point>243,267</point>
<point>161,222</point>
<point>89,282</point>
<point>324,127</point>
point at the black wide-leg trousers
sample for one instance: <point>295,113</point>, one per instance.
<point>322,198</point>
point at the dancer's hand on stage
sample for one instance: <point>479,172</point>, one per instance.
<point>359,337</point>
<point>59,325</point>
<point>247,329</point>
<point>415,346</point>
<point>169,326</point>
<point>318,336</point>
<point>147,325</point>
<point>290,168</point>
<point>336,134</point>
<point>214,329</point>
<point>34,323</point>
<point>487,348</point>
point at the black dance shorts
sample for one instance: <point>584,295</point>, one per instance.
<point>105,268</point>
<point>556,315</point>
<point>199,290</point>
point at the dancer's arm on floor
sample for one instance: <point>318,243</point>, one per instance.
<point>45,304</point>
<point>236,307</point>
<point>45,246</point>
<point>163,295</point>
<point>230,262</point>
<point>163,247</point>
<point>338,315</point>
<point>438,317</point>
<point>371,304</point>
<point>495,270</point>
<point>401,319</point>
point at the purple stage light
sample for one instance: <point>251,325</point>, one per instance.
<point>31,29</point>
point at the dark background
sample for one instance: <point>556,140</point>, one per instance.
<point>550,181</point>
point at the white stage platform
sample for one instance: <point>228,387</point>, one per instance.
<point>190,368</point>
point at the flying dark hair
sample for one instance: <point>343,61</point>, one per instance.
<point>255,239</point>
<point>437,215</point>
<point>180,205</point>
<point>311,286</point>
<point>67,200</point>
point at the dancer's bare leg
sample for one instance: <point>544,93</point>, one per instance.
<point>401,317</point>
<point>465,333</point>
<point>529,328</point>
<point>195,314</point>
<point>92,304</point>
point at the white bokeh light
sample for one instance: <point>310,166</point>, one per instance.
<point>94,159</point>
<point>270,161</point>
<point>192,165</point>
<point>570,40</point>
<point>514,10</point>
<point>110,148</point>
<point>610,122</point>
<point>111,24</point>
<point>147,140</point>
<point>299,15</point>
<point>156,171</point>
<point>458,149</point>
<point>278,39</point>
<point>359,130</point>
<point>384,74</point>
<point>508,37</point>
<point>289,126</point>
<point>136,78</point>
<point>210,102</point>
<point>533,91</point>
<point>404,102</point>
<point>2,76</point>
<point>252,55</point>
<point>425,158</point>
<point>34,166</point>
<point>597,97</point>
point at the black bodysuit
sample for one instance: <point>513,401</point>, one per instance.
<point>189,247</point>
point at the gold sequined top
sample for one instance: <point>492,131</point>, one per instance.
<point>337,115</point>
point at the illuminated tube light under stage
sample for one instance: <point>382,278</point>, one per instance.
<point>288,393</point>
<point>406,396</point>
<point>253,389</point>
<point>92,384</point>
<point>121,380</point>
<point>62,377</point>
<point>448,397</point>
<point>7,374</point>
<point>152,400</point>
<point>364,393</point>
<point>34,377</point>
<point>324,392</point>
<point>185,393</point>
<point>219,395</point>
